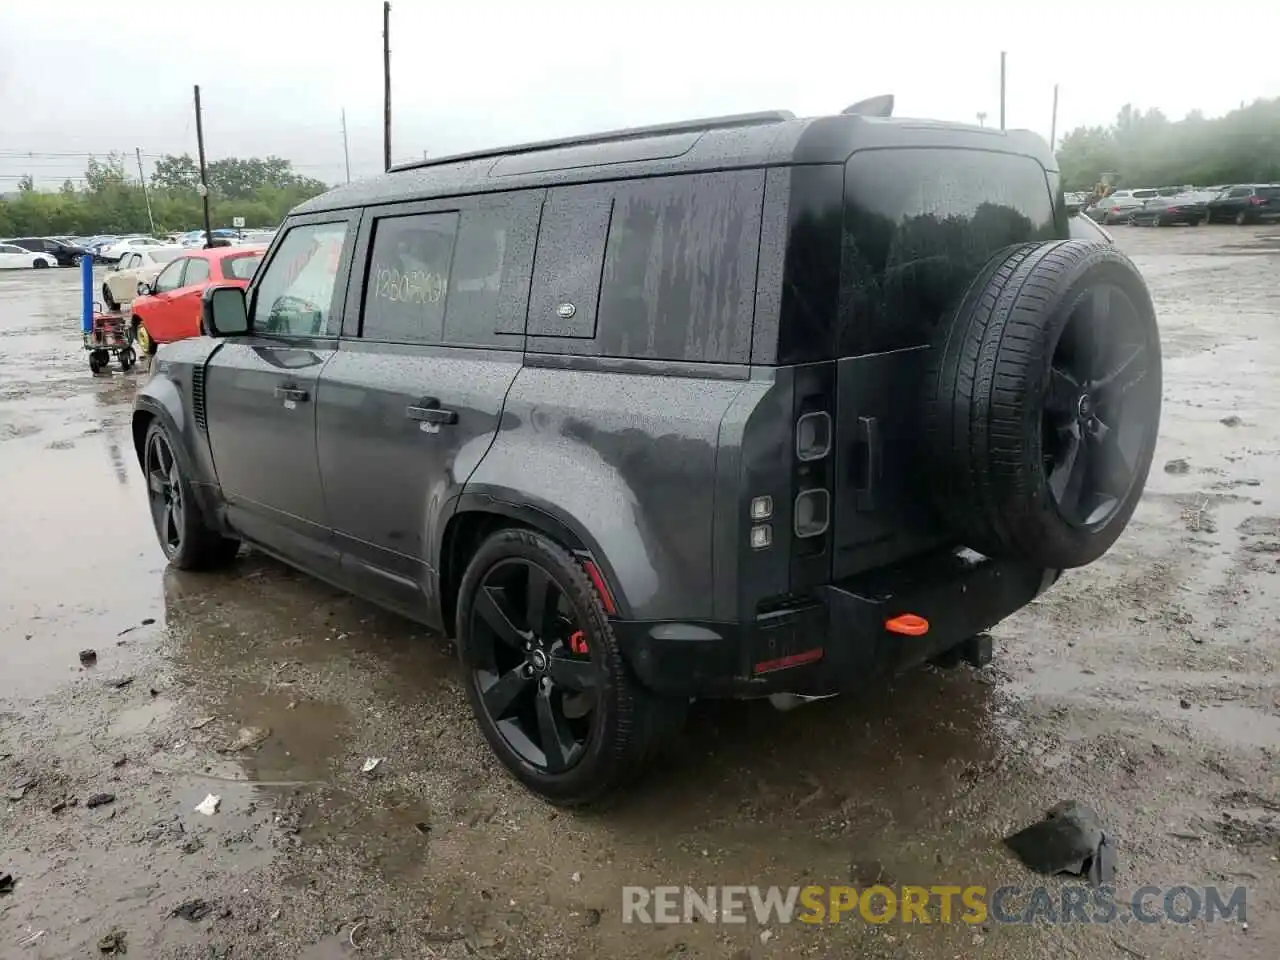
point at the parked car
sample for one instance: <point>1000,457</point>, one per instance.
<point>168,308</point>
<point>1169,211</point>
<point>1246,203</point>
<point>64,253</point>
<point>1117,207</point>
<point>95,244</point>
<point>741,407</point>
<point>113,252</point>
<point>134,268</point>
<point>13,257</point>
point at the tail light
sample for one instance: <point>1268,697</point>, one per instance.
<point>1173,210</point>
<point>1257,201</point>
<point>812,513</point>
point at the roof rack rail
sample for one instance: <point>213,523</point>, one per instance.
<point>629,133</point>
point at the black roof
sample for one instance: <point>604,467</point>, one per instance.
<point>774,138</point>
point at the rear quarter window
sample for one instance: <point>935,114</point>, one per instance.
<point>241,268</point>
<point>918,226</point>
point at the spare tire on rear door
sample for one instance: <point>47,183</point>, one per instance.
<point>1042,403</point>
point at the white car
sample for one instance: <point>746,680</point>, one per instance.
<point>16,258</point>
<point>126,244</point>
<point>135,267</point>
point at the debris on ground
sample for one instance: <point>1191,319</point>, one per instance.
<point>20,788</point>
<point>1178,466</point>
<point>121,683</point>
<point>372,764</point>
<point>148,621</point>
<point>209,805</point>
<point>246,739</point>
<point>193,910</point>
<point>6,883</point>
<point>119,762</point>
<point>100,800</point>
<point>422,827</point>
<point>89,657</point>
<point>1184,703</point>
<point>62,804</point>
<point>1070,839</point>
<point>202,723</point>
<point>1231,421</point>
<point>113,944</point>
<point>33,939</point>
<point>592,917</point>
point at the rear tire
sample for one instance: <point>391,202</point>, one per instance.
<point>1242,219</point>
<point>625,725</point>
<point>40,265</point>
<point>1042,403</point>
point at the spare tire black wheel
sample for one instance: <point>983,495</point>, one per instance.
<point>1042,403</point>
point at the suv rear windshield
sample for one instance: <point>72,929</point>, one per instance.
<point>1270,193</point>
<point>919,223</point>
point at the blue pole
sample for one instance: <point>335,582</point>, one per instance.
<point>86,285</point>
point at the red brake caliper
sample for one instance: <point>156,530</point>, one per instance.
<point>578,642</point>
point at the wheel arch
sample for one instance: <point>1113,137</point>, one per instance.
<point>476,516</point>
<point>161,400</point>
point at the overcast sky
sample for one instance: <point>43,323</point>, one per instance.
<point>82,77</point>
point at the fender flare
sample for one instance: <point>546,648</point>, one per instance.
<point>545,517</point>
<point>161,400</point>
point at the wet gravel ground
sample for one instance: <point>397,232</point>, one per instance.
<point>1146,685</point>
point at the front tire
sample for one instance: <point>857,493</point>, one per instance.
<point>175,513</point>
<point>40,265</point>
<point>545,676</point>
<point>143,338</point>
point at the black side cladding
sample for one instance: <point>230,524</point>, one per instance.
<point>984,401</point>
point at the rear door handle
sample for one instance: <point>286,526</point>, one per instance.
<point>868,445</point>
<point>428,410</point>
<point>292,393</point>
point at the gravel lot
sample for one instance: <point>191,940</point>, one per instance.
<point>1146,685</point>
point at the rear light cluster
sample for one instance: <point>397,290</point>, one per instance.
<point>811,511</point>
<point>1257,201</point>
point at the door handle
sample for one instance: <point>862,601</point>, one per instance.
<point>428,410</point>
<point>867,445</point>
<point>292,393</point>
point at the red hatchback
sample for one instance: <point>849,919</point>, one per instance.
<point>170,308</point>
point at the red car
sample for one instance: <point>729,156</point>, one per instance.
<point>170,308</point>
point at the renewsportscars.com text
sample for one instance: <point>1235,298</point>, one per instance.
<point>934,904</point>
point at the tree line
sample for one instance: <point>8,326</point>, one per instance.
<point>1147,149</point>
<point>260,190</point>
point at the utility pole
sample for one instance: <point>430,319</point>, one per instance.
<point>204,181</point>
<point>146,195</point>
<point>1053,124</point>
<point>1002,59</point>
<point>386,84</point>
<point>346,152</point>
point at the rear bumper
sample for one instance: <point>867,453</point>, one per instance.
<point>838,642</point>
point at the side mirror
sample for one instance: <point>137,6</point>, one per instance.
<point>223,312</point>
<point>144,289</point>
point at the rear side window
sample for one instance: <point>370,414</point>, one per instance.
<point>680,268</point>
<point>1239,192</point>
<point>241,268</point>
<point>197,272</point>
<point>404,296</point>
<point>661,268</point>
<point>918,226</point>
<point>1269,193</point>
<point>1145,194</point>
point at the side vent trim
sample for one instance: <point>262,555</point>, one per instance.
<point>197,398</point>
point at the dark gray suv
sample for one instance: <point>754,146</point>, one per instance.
<point>736,407</point>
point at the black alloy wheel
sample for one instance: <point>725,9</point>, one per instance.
<point>1098,412</point>
<point>532,669</point>
<point>165,493</point>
